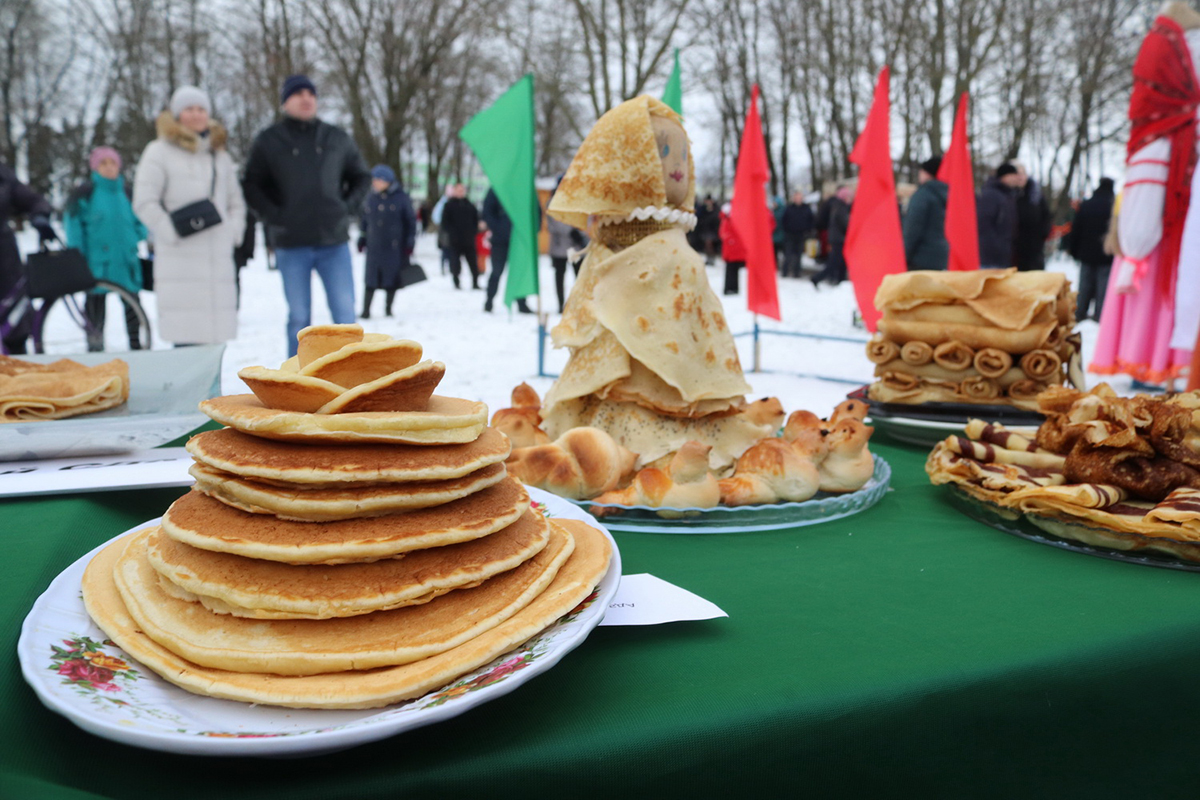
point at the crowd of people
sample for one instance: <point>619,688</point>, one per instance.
<point>305,181</point>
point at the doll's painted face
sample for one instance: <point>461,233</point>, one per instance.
<point>672,145</point>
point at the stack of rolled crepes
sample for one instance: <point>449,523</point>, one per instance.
<point>996,337</point>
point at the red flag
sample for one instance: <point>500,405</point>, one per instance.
<point>874,245</point>
<point>962,227</point>
<point>752,220</point>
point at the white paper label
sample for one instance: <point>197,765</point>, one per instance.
<point>141,469</point>
<point>644,599</point>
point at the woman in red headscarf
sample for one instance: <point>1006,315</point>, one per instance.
<point>1137,324</point>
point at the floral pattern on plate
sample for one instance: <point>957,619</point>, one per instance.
<point>78,672</point>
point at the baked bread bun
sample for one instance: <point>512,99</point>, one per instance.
<point>772,471</point>
<point>522,423</point>
<point>580,464</point>
<point>685,483</point>
<point>849,464</point>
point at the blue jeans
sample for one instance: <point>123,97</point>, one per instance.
<point>296,265</point>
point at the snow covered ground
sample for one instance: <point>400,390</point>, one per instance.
<point>486,355</point>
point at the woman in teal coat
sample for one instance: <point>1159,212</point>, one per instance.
<point>100,222</point>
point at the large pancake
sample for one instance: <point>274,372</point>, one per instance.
<point>447,420</point>
<point>209,524</point>
<point>363,362</point>
<point>249,587</point>
<point>319,505</point>
<point>63,389</point>
<point>270,461</point>
<point>314,646</point>
<point>369,689</point>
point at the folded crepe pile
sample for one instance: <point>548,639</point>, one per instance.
<point>64,388</point>
<point>1122,473</point>
<point>997,337</point>
<point>331,558</point>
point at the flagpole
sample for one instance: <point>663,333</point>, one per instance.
<point>757,348</point>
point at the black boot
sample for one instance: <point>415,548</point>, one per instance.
<point>523,308</point>
<point>391,296</point>
<point>368,296</point>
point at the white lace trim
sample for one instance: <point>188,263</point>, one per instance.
<point>674,216</point>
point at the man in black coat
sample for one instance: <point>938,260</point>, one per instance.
<point>1033,223</point>
<point>305,179</point>
<point>1088,231</point>
<point>798,223</point>
<point>925,245</point>
<point>839,222</point>
<point>996,212</point>
<point>17,199</point>
<point>498,222</point>
<point>460,221</point>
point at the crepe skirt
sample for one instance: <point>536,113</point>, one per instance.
<point>1135,331</point>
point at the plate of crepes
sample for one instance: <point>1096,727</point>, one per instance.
<point>1117,477</point>
<point>957,345</point>
<point>91,404</point>
<point>336,575</point>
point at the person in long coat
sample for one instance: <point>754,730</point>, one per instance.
<point>194,276</point>
<point>100,222</point>
<point>996,212</point>
<point>925,245</point>
<point>1089,229</point>
<point>389,232</point>
<point>17,199</point>
<point>1034,223</point>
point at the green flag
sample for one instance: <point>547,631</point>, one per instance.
<point>502,138</point>
<point>673,94</point>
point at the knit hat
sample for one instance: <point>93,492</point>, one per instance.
<point>101,153</point>
<point>932,165</point>
<point>1106,185</point>
<point>293,84</point>
<point>383,172</point>
<point>187,96</point>
<point>1005,169</point>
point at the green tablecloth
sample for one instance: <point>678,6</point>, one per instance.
<point>904,650</point>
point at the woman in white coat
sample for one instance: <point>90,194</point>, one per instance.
<point>194,275</point>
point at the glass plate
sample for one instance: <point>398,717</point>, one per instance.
<point>76,672</point>
<point>165,389</point>
<point>742,519</point>
<point>1025,527</point>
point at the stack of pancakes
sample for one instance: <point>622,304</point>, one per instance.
<point>995,337</point>
<point>341,559</point>
<point>64,388</point>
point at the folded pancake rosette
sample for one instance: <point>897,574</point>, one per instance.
<point>352,540</point>
<point>59,390</point>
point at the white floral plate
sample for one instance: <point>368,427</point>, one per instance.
<point>75,671</point>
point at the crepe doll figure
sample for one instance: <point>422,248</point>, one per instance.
<point>1148,327</point>
<point>652,357</point>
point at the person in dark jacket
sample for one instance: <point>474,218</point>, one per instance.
<point>304,179</point>
<point>708,224</point>
<point>497,221</point>
<point>925,245</point>
<point>1088,231</point>
<point>1033,223</point>
<point>17,199</point>
<point>996,212</point>
<point>797,224</point>
<point>839,222</point>
<point>460,222</point>
<point>389,233</point>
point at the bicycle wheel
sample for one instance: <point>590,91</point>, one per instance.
<point>60,324</point>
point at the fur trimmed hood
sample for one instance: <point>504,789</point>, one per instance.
<point>170,130</point>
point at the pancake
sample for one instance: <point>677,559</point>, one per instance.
<point>250,587</point>
<point>316,341</point>
<point>270,461</point>
<point>363,362</point>
<point>314,646</point>
<point>447,420</point>
<point>288,390</point>
<point>406,389</point>
<point>355,689</point>
<point>209,524</point>
<point>338,503</point>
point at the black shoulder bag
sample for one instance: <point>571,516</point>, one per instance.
<point>200,215</point>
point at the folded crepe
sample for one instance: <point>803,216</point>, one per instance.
<point>65,389</point>
<point>1005,298</point>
